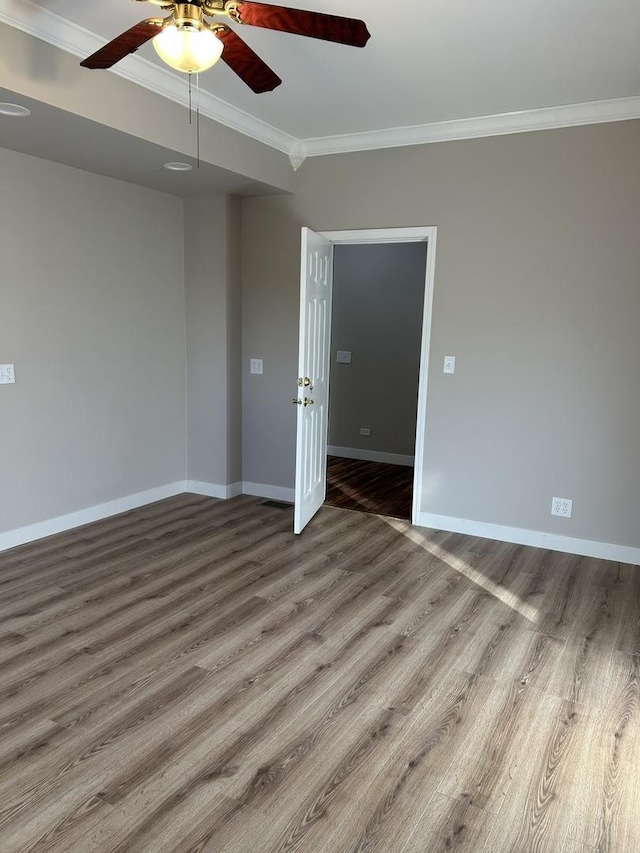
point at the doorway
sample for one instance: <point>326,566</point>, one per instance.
<point>376,326</point>
<point>314,350</point>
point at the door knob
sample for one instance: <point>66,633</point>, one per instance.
<point>305,383</point>
<point>308,402</point>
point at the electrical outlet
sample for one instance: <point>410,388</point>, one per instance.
<point>449,365</point>
<point>7,374</point>
<point>365,431</point>
<point>256,365</point>
<point>561,507</point>
<point>343,356</point>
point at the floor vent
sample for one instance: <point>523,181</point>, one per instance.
<point>277,504</point>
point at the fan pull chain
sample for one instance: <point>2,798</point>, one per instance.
<point>197,110</point>
<point>197,120</point>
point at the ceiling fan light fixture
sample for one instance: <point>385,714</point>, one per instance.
<point>187,48</point>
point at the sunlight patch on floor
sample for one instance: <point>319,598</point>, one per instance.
<point>463,566</point>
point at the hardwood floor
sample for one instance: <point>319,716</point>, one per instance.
<point>192,677</point>
<point>366,486</point>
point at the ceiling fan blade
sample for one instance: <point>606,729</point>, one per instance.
<point>246,63</point>
<point>302,23</point>
<point>126,43</point>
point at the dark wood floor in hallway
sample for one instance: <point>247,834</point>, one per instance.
<point>366,486</point>
<point>190,677</point>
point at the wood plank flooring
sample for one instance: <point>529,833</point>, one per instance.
<point>192,677</point>
<point>365,486</point>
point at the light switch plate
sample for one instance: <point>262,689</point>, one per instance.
<point>7,374</point>
<point>256,365</point>
<point>343,356</point>
<point>449,364</point>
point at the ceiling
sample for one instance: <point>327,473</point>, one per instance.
<point>427,60</point>
<point>430,68</point>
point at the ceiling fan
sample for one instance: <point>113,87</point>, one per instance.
<point>187,41</point>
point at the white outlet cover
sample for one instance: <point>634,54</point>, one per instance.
<point>562,507</point>
<point>449,365</point>
<point>7,374</point>
<point>343,356</point>
<point>256,366</point>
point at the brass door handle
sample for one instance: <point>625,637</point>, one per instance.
<point>305,383</point>
<point>308,402</point>
<point>305,402</point>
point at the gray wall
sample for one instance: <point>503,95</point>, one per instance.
<point>213,339</point>
<point>536,293</point>
<point>234,345</point>
<point>378,296</point>
<point>92,315</point>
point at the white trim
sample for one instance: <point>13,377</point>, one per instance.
<point>32,532</point>
<point>520,536</point>
<point>214,490</point>
<point>411,234</point>
<point>533,538</point>
<point>423,374</point>
<point>524,121</point>
<point>297,155</point>
<point>262,490</point>
<point>64,34</point>
<point>417,234</point>
<point>370,455</point>
<point>51,526</point>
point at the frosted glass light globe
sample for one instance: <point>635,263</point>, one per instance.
<point>188,49</point>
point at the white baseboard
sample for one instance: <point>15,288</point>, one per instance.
<point>31,532</point>
<point>535,538</point>
<point>50,526</point>
<point>261,490</point>
<point>214,490</point>
<point>370,455</point>
<point>520,536</point>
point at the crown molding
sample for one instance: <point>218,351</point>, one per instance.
<point>61,33</point>
<point>525,121</point>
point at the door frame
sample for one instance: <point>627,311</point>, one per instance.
<point>418,234</point>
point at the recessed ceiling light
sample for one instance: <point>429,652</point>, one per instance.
<point>178,167</point>
<point>15,110</point>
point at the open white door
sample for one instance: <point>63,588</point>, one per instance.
<point>316,278</point>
